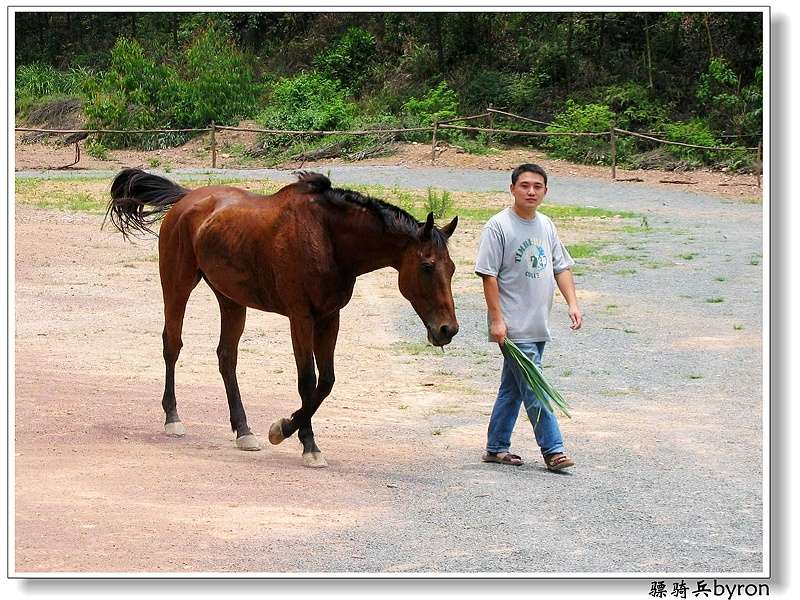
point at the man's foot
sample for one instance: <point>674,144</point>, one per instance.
<point>504,458</point>
<point>558,461</point>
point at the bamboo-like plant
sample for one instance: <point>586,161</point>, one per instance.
<point>546,393</point>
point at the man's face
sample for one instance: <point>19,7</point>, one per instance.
<point>529,191</point>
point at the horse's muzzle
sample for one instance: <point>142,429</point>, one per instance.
<point>442,335</point>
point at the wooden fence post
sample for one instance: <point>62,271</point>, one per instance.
<point>491,125</point>
<point>760,163</point>
<point>433,142</point>
<point>613,153</point>
<point>213,145</point>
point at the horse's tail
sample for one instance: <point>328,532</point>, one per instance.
<point>138,200</point>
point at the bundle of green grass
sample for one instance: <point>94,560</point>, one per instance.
<point>546,393</point>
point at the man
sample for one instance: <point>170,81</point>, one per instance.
<point>520,259</point>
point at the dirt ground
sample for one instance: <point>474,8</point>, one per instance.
<point>100,488</point>
<point>196,153</point>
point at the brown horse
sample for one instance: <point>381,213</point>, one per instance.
<point>297,253</point>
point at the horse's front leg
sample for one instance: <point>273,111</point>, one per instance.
<point>323,333</point>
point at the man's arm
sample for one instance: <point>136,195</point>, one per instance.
<point>566,284</point>
<point>497,324</point>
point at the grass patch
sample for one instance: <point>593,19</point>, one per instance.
<point>626,271</point>
<point>689,255</point>
<point>695,376</point>
<point>715,300</point>
<point>415,348</point>
<point>720,279</point>
<point>737,327</point>
<point>584,250</point>
<point>80,202</point>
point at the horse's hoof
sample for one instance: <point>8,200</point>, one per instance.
<point>315,460</point>
<point>248,442</point>
<point>175,429</point>
<point>276,432</point>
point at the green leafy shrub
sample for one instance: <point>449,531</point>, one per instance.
<point>439,204</point>
<point>217,85</point>
<point>633,106</point>
<point>730,106</point>
<point>525,89</point>
<point>696,131</point>
<point>135,93</point>
<point>349,60</point>
<point>588,118</point>
<point>485,88</point>
<point>439,104</point>
<point>97,149</point>
<point>307,101</point>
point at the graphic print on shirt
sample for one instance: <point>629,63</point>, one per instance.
<point>531,253</point>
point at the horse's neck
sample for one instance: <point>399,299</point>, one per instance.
<point>363,244</point>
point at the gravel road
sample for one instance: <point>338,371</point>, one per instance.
<point>665,382</point>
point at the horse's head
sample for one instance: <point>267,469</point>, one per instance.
<point>425,273</point>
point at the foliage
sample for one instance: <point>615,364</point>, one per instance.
<point>589,118</point>
<point>97,150</point>
<point>439,104</point>
<point>634,106</point>
<point>695,131</point>
<point>729,106</point>
<point>38,79</point>
<point>217,83</point>
<point>349,60</point>
<point>135,93</point>
<point>439,204</point>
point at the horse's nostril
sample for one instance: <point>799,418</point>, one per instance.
<point>448,332</point>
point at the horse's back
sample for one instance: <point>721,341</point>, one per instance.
<point>245,244</point>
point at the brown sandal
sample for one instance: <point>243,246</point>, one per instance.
<point>558,461</point>
<point>504,458</point>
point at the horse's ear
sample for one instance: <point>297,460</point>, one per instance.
<point>448,229</point>
<point>427,228</point>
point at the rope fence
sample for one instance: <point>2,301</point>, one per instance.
<point>434,129</point>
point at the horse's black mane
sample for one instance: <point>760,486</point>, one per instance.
<point>394,218</point>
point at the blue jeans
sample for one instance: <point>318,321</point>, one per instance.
<point>514,391</point>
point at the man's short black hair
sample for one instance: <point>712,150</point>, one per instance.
<point>527,168</point>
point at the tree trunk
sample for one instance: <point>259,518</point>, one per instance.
<point>649,54</point>
<point>710,43</point>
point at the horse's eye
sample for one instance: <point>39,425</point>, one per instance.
<point>428,266</point>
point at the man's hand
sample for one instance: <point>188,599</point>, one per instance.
<point>498,331</point>
<point>575,316</point>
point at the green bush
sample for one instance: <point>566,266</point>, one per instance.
<point>135,93</point>
<point>439,104</point>
<point>97,149</point>
<point>485,88</point>
<point>439,204</point>
<point>730,106</point>
<point>633,106</point>
<point>308,101</point>
<point>525,90</point>
<point>349,60</point>
<point>218,85</point>
<point>304,102</point>
<point>585,119</point>
<point>696,131</point>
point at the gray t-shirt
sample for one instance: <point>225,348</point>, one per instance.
<point>523,255</point>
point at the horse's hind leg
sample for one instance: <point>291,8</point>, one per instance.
<point>233,318</point>
<point>176,294</point>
